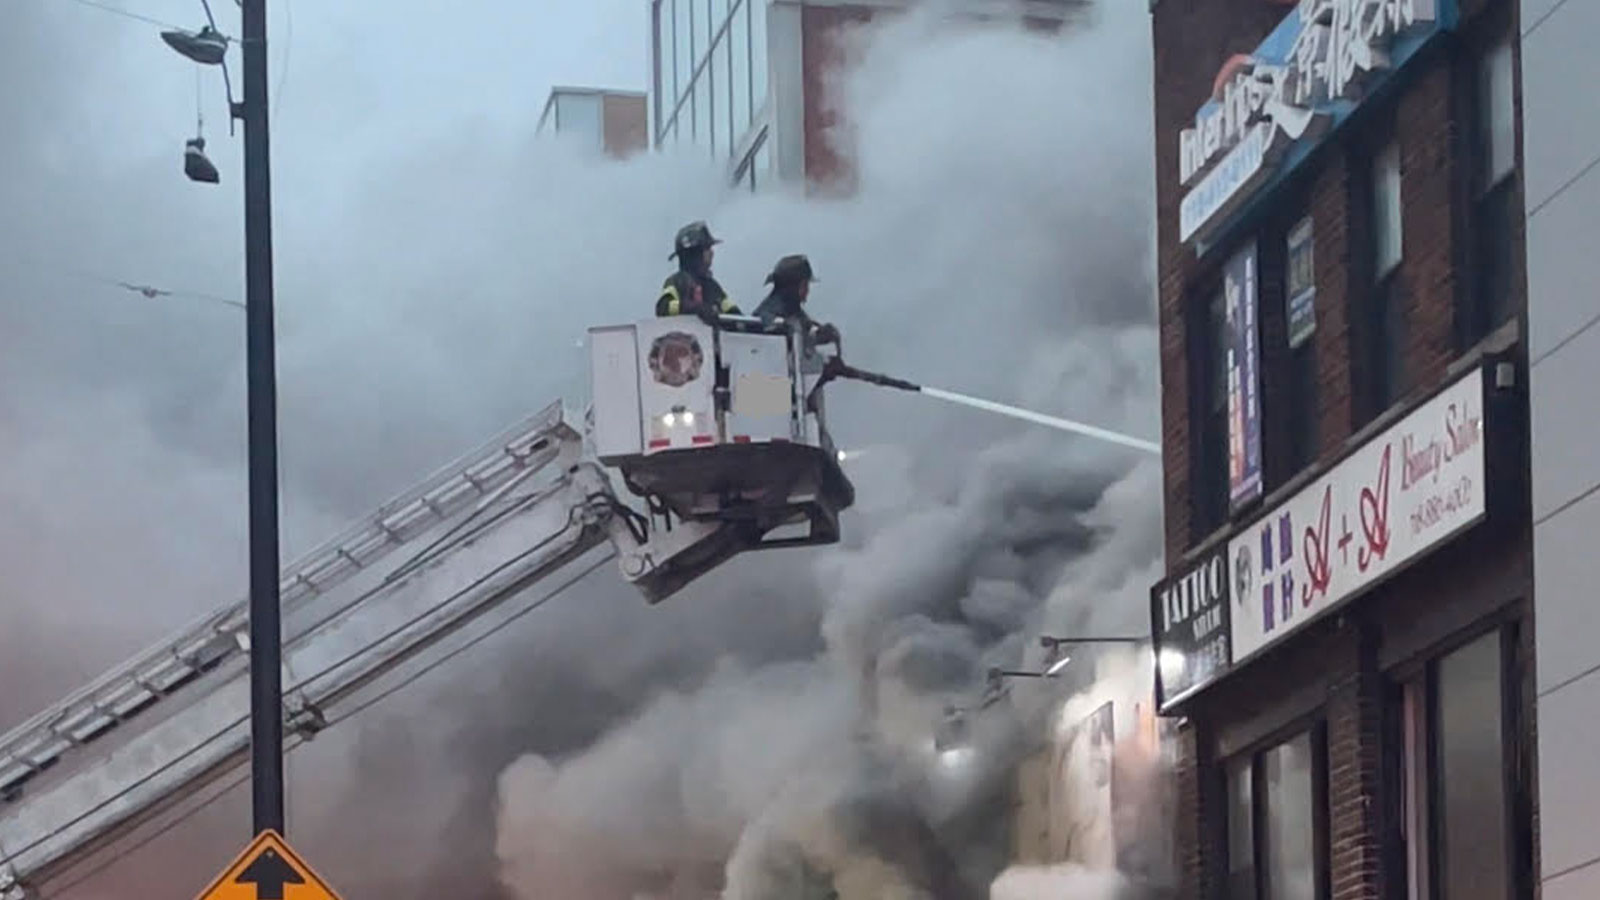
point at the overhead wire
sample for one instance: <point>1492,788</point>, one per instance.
<point>370,645</point>
<point>368,704</point>
<point>128,14</point>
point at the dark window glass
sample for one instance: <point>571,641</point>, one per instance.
<point>1470,762</point>
<point>1389,351</point>
<point>1495,188</point>
<point>1300,337</point>
<point>1303,424</point>
<point>1210,475</point>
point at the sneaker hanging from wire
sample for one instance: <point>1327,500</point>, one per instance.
<point>197,165</point>
<point>207,46</point>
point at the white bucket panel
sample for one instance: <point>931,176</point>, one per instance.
<point>763,391</point>
<point>614,391</point>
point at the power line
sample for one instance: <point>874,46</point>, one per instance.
<point>148,291</point>
<point>95,4</point>
<point>478,639</point>
<point>149,839</point>
<point>378,698</point>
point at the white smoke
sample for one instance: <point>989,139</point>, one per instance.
<point>1055,882</point>
<point>1023,234</point>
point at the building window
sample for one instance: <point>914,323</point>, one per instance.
<point>1301,322</point>
<point>1448,728</point>
<point>1494,185</point>
<point>1388,235</point>
<point>1209,471</point>
<point>1380,326</point>
<point>1276,826</point>
<point>1241,832</point>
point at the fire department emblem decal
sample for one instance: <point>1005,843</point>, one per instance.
<point>676,358</point>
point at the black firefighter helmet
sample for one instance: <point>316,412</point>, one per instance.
<point>694,237</point>
<point>791,270</point>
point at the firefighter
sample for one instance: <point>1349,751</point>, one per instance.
<point>791,281</point>
<point>692,290</point>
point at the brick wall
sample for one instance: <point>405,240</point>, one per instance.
<point>824,58</point>
<point>1193,37</point>
<point>825,55</point>
<point>1334,668</point>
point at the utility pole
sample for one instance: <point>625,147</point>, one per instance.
<point>266,635</point>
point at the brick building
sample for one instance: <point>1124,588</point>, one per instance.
<point>1345,632</point>
<point>615,123</point>
<point>749,81</point>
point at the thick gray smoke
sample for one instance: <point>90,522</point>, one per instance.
<point>987,249</point>
<point>763,729</point>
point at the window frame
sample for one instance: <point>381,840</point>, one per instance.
<point>1423,674</point>
<point>1208,456</point>
<point>1491,296</point>
<point>1315,729</point>
<point>1378,304</point>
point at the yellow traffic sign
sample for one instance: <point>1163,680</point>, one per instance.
<point>269,870</point>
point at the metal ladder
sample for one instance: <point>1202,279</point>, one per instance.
<point>133,688</point>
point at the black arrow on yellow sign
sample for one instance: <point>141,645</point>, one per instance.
<point>269,873</point>
<point>269,869</point>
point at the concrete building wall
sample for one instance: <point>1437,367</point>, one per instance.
<point>1561,139</point>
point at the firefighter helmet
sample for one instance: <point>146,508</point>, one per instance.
<point>792,270</point>
<point>692,238</point>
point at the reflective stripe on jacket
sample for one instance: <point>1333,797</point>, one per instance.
<point>684,294</point>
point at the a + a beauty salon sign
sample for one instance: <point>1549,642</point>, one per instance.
<point>1398,497</point>
<point>1271,107</point>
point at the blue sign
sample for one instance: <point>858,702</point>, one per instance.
<point>1244,383</point>
<point>1274,106</point>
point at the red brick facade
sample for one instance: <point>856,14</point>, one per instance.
<point>824,49</point>
<point>1334,671</point>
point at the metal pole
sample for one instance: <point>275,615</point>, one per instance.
<point>266,650</point>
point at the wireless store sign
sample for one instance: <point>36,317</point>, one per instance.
<point>1401,495</point>
<point>1276,102</point>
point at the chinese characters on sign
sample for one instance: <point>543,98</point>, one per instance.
<point>1307,75</point>
<point>1244,388</point>
<point>1189,624</point>
<point>1399,496</point>
<point>1302,293</point>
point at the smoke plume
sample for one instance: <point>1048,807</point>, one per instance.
<point>820,775</point>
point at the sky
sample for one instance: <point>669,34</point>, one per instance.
<point>436,270</point>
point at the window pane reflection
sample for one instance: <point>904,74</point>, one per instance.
<point>1241,833</point>
<point>1290,844</point>
<point>683,45</point>
<point>1471,767</point>
<point>738,44</point>
<point>758,50</point>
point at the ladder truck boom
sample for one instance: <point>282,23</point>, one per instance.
<point>708,426</point>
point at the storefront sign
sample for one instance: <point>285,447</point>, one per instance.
<point>1189,628</point>
<point>1399,496</point>
<point>1302,293</point>
<point>1241,301</point>
<point>1273,105</point>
